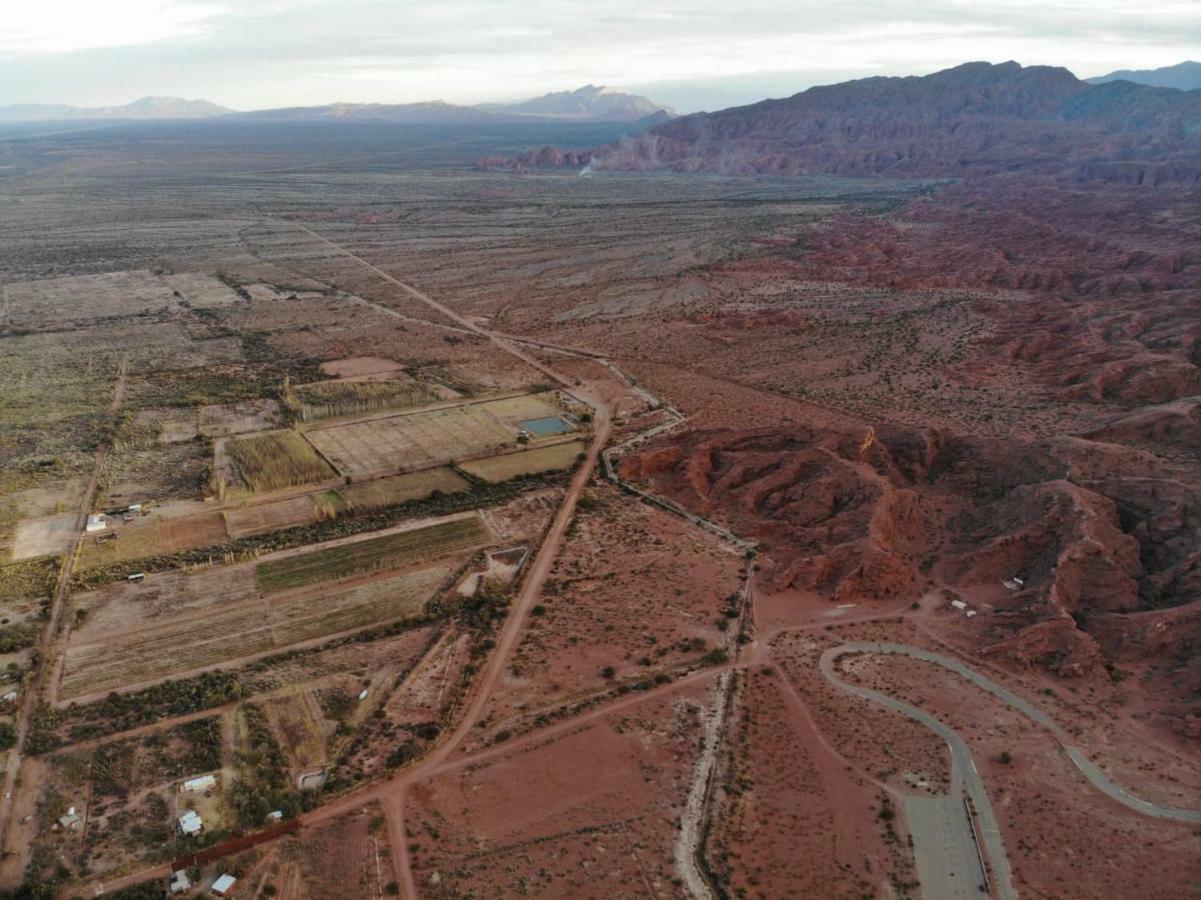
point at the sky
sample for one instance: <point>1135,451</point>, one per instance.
<point>702,54</point>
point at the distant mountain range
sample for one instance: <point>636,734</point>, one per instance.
<point>977,118</point>
<point>146,108</point>
<point>589,103</point>
<point>1185,76</point>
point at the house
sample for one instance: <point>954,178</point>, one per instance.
<point>190,824</point>
<point>275,815</point>
<point>179,881</point>
<point>198,785</point>
<point>224,886</point>
<point>362,695</point>
<point>96,523</point>
<point>959,604</point>
<point>136,577</point>
<point>10,697</point>
<point>69,821</point>
<point>971,614</point>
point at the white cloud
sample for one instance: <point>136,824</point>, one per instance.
<point>257,53</point>
<point>63,26</point>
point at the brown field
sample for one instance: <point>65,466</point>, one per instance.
<point>425,438</point>
<point>633,589</point>
<point>271,462</point>
<point>789,814</point>
<point>542,820</point>
<point>348,857</point>
<point>364,496</point>
<point>244,521</point>
<point>228,628</point>
<point>220,420</point>
<point>359,365</point>
<point>154,537</point>
<point>85,297</point>
<point>301,726</point>
<point>525,462</point>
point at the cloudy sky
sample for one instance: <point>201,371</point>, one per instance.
<point>251,54</point>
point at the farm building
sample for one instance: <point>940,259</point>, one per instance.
<point>190,824</point>
<point>224,886</point>
<point>179,881</point>
<point>96,523</point>
<point>198,785</point>
<point>959,604</point>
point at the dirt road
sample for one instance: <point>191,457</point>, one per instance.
<point>48,666</point>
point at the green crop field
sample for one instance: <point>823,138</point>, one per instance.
<point>388,552</point>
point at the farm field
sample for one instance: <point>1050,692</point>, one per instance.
<point>389,551</point>
<point>156,537</point>
<point>245,521</point>
<point>426,438</point>
<point>271,462</point>
<point>328,399</point>
<point>364,496</point>
<point>525,462</point>
<point>235,627</point>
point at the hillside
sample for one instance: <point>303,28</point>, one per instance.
<point>145,108</point>
<point>1185,76</point>
<point>429,112</point>
<point>589,102</point>
<point>977,118</point>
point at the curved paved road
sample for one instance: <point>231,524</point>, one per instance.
<point>1087,768</point>
<point>963,773</point>
<point>964,777</point>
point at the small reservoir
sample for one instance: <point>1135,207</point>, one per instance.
<point>548,426</point>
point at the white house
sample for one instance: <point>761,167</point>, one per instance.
<point>179,881</point>
<point>198,785</point>
<point>224,886</point>
<point>959,604</point>
<point>96,522</point>
<point>190,824</point>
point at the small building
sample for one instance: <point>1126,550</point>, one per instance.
<point>69,821</point>
<point>362,695</point>
<point>959,605</point>
<point>198,785</point>
<point>179,881</point>
<point>136,577</point>
<point>224,886</point>
<point>190,824</point>
<point>96,523</point>
<point>10,697</point>
<point>134,509</point>
<point>276,815</point>
<point>971,614</point>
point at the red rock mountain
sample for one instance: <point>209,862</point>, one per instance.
<point>976,118</point>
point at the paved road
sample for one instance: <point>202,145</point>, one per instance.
<point>962,765</point>
<point>1087,768</point>
<point>942,834</point>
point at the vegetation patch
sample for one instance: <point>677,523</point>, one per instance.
<point>388,552</point>
<point>271,462</point>
<point>381,493</point>
<point>329,399</point>
<point>555,458</point>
